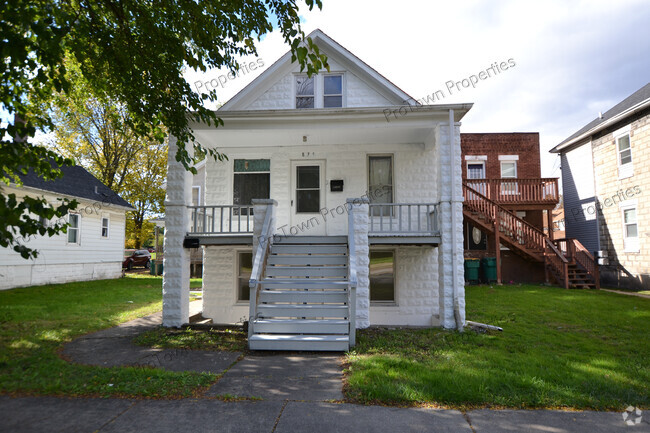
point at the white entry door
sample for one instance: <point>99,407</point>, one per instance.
<point>307,199</point>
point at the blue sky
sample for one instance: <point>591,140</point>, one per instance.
<point>573,59</point>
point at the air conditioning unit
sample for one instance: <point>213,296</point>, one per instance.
<point>603,261</point>
<point>602,253</point>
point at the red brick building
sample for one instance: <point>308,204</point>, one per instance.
<point>505,170</point>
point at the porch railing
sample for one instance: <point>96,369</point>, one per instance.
<point>221,219</point>
<point>403,219</point>
<point>518,190</point>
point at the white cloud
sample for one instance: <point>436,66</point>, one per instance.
<point>573,59</point>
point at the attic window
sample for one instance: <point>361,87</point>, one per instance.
<point>304,92</point>
<point>332,91</point>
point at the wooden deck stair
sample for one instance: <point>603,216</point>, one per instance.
<point>565,260</point>
<point>303,299</point>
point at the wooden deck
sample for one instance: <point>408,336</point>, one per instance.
<point>518,193</point>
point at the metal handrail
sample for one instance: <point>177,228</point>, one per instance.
<point>259,264</point>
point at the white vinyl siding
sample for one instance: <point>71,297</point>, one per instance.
<point>59,261</point>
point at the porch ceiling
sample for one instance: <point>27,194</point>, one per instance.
<point>325,127</point>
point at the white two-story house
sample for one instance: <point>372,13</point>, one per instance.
<point>339,207</point>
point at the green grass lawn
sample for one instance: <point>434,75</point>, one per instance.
<point>35,322</point>
<point>558,349</point>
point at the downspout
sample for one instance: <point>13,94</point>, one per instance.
<point>459,325</point>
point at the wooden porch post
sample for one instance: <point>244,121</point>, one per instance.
<point>549,217</point>
<point>497,246</point>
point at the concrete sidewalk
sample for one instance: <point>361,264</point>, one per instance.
<point>50,414</point>
<point>290,393</point>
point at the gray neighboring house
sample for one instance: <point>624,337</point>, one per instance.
<point>606,186</point>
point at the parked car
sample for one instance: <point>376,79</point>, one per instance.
<point>138,258</point>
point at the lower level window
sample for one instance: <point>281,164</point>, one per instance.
<point>382,276</point>
<point>244,269</point>
<point>630,230</point>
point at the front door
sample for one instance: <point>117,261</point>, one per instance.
<point>307,199</point>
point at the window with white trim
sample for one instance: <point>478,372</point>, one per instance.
<point>252,180</point>
<point>105,224</point>
<point>624,150</point>
<point>382,276</point>
<point>380,183</point>
<point>196,195</point>
<point>305,91</point>
<point>333,91</point>
<point>74,220</point>
<point>509,171</point>
<point>244,270</point>
<point>630,229</point>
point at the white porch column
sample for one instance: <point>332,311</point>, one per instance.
<point>359,209</point>
<point>451,279</point>
<point>176,263</point>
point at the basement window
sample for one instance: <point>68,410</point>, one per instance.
<point>382,277</point>
<point>244,270</point>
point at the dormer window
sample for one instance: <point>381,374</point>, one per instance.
<point>333,91</point>
<point>304,91</point>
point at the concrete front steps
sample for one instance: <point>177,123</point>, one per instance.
<point>303,299</point>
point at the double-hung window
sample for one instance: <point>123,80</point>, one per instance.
<point>74,228</point>
<point>332,91</point>
<point>105,224</point>
<point>624,151</point>
<point>508,171</point>
<point>319,91</point>
<point>305,91</point>
<point>630,229</point>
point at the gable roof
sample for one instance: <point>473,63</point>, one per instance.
<point>75,182</point>
<point>333,50</point>
<point>627,107</point>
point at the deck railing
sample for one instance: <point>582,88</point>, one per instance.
<point>518,190</point>
<point>515,229</point>
<point>403,219</point>
<point>575,252</point>
<point>221,219</point>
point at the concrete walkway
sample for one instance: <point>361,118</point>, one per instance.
<point>294,393</point>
